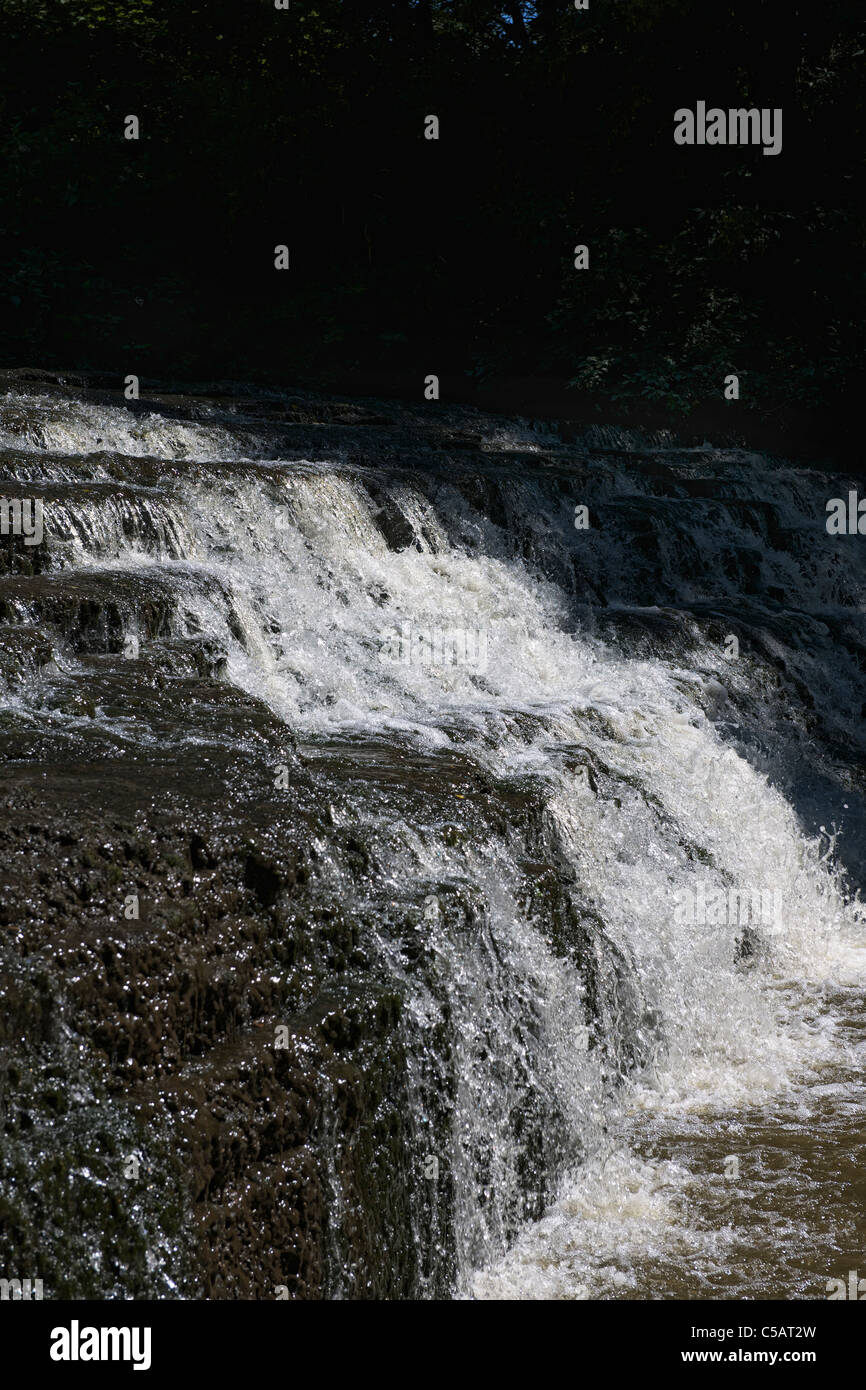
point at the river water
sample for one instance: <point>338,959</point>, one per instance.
<point>420,604</point>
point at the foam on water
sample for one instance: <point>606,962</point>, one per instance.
<point>47,424</point>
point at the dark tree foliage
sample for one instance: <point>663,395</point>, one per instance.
<point>262,126</point>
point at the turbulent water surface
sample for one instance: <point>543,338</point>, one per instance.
<point>557,766</point>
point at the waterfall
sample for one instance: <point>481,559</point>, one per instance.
<point>543,792</point>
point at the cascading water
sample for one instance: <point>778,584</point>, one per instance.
<point>537,741</point>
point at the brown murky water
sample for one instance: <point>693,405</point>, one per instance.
<point>797,1211</point>
<point>753,1202</point>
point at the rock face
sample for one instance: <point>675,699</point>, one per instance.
<point>158,927</point>
<point>235,1036</point>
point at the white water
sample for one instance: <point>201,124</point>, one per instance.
<point>305,570</point>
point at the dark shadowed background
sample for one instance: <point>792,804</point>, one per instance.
<point>409,256</point>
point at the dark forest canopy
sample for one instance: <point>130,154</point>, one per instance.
<point>305,126</point>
